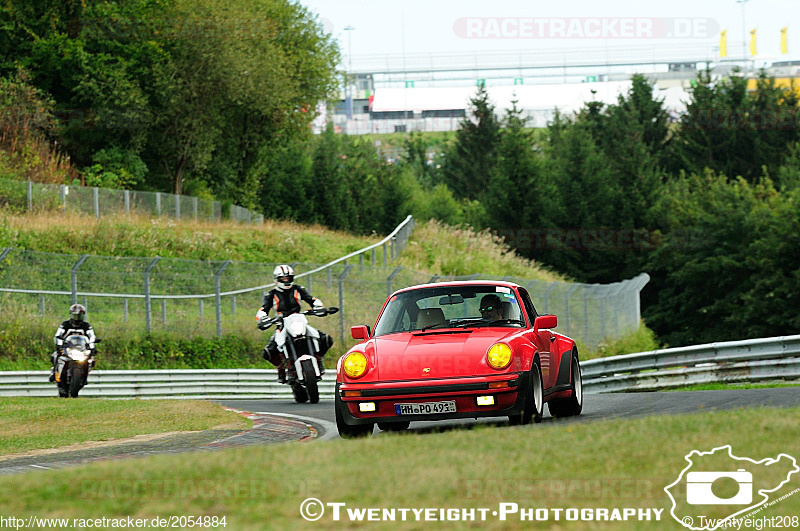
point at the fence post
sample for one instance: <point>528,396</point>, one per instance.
<point>74,275</point>
<point>177,206</point>
<point>5,253</point>
<point>361,262</point>
<point>200,308</point>
<point>389,280</point>
<point>96,198</point>
<point>547,297</point>
<point>125,310</point>
<point>164,311</point>
<point>41,305</point>
<point>148,316</point>
<point>330,278</point>
<point>384,254</point>
<point>30,197</point>
<point>373,256</point>
<point>63,192</point>
<point>158,204</point>
<point>218,297</point>
<point>194,208</point>
<point>233,305</point>
<point>570,291</point>
<point>127,195</point>
<point>340,279</point>
<point>433,279</point>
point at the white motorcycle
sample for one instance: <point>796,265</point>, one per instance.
<point>299,343</point>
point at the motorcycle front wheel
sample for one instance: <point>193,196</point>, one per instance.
<point>76,380</point>
<point>310,377</point>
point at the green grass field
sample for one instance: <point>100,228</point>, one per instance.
<point>29,423</point>
<point>607,464</point>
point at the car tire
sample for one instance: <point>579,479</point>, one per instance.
<point>394,426</point>
<point>573,405</point>
<point>345,430</point>
<point>534,399</point>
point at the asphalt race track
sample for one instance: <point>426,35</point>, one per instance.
<point>596,407</point>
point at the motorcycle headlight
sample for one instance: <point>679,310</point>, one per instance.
<point>77,355</point>
<point>297,328</point>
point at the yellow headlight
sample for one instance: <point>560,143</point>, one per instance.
<point>499,356</point>
<point>355,364</point>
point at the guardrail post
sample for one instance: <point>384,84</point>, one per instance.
<point>217,296</point>
<point>389,280</point>
<point>148,316</point>
<point>340,278</point>
<point>96,198</point>
<point>74,275</point>
<point>30,197</point>
<point>127,195</point>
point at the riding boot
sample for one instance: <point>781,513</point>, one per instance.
<point>281,374</point>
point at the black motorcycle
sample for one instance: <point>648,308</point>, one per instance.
<point>299,343</point>
<point>73,364</point>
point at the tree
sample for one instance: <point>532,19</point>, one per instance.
<point>470,163</point>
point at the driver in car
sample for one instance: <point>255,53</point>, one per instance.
<point>491,308</point>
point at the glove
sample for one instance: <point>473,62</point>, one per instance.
<point>260,315</point>
<point>318,304</point>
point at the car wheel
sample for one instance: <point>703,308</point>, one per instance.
<point>569,407</point>
<point>345,430</point>
<point>534,401</point>
<point>394,426</point>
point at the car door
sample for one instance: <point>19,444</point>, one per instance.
<point>543,341</point>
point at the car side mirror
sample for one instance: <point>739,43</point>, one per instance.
<point>360,332</point>
<point>545,321</point>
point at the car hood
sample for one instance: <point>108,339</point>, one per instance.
<point>439,354</point>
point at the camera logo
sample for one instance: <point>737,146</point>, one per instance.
<point>699,488</point>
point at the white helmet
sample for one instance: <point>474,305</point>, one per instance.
<point>284,276</point>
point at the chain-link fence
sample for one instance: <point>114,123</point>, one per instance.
<point>197,297</point>
<point>26,196</point>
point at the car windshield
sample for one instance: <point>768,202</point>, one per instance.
<point>450,307</point>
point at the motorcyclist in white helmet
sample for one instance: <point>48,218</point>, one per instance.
<point>285,299</point>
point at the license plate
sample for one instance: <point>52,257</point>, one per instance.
<point>423,408</point>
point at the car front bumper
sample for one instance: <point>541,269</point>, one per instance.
<point>508,400</point>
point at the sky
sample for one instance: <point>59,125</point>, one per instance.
<point>463,31</point>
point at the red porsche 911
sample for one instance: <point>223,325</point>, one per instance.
<point>456,350</point>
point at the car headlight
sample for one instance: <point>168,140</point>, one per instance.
<point>499,356</point>
<point>355,365</point>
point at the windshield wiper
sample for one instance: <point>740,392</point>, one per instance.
<point>500,321</point>
<point>457,323</point>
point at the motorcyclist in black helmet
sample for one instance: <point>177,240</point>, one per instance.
<point>76,324</point>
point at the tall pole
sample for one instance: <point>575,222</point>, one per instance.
<point>348,98</point>
<point>744,31</point>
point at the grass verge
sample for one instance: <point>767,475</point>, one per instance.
<point>29,423</point>
<point>730,386</point>
<point>611,464</point>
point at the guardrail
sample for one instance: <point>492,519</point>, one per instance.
<point>188,384</point>
<point>752,360</point>
<point>755,360</point>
